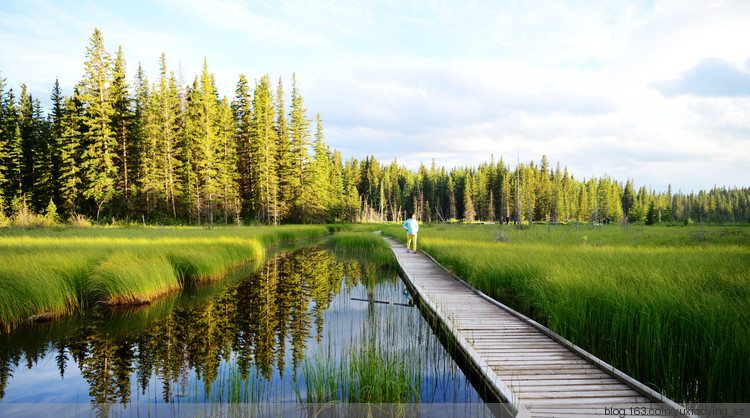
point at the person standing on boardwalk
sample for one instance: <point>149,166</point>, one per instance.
<point>411,226</point>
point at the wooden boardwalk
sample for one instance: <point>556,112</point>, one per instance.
<point>527,365</point>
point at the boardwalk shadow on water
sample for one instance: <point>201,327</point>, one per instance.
<point>304,327</point>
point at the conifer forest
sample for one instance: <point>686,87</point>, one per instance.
<point>166,151</point>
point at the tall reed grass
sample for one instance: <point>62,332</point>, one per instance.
<point>381,365</point>
<point>363,373</point>
<point>365,245</point>
<point>670,306</point>
<point>52,272</point>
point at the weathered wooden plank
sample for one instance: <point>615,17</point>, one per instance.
<point>577,394</point>
<point>515,364</point>
<point>583,409</point>
<point>529,387</point>
<point>522,368</point>
<point>522,355</point>
<point>583,401</point>
<point>514,346</point>
<point>561,377</point>
<point>510,375</point>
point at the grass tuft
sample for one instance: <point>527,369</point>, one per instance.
<point>58,270</point>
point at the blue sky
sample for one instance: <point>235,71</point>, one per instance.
<point>656,91</point>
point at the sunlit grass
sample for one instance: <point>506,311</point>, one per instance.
<point>368,246</point>
<point>55,271</point>
<point>668,305</point>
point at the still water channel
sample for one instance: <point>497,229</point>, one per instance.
<point>305,326</point>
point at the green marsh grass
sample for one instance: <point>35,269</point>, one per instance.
<point>365,245</point>
<point>382,365</point>
<point>55,271</point>
<point>364,372</point>
<point>669,306</point>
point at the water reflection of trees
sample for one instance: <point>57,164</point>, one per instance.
<point>254,320</point>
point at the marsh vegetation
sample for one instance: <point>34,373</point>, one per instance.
<point>53,272</point>
<point>669,306</point>
<point>304,328</point>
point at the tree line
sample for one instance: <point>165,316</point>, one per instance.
<point>172,152</point>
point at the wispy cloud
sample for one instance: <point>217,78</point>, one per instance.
<point>711,77</point>
<point>644,89</point>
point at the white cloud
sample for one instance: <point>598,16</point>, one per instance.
<point>453,81</point>
<point>711,77</point>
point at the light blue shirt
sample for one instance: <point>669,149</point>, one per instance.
<point>411,226</point>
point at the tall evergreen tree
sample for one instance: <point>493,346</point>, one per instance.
<point>33,162</point>
<point>337,203</point>
<point>4,149</point>
<point>71,154</point>
<point>169,115</point>
<point>203,133</point>
<point>149,179</point>
<point>318,175</point>
<point>263,153</point>
<point>42,160</point>
<point>138,131</point>
<point>243,116</point>
<point>351,195</point>
<point>469,212</point>
<point>121,119</point>
<point>628,198</point>
<point>652,215</point>
<point>299,131</point>
<point>452,214</point>
<point>55,140</point>
<point>100,146</point>
<point>227,164</point>
<point>284,156</point>
<point>13,144</point>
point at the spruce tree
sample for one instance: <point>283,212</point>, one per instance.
<point>652,216</point>
<point>121,121</point>
<point>13,149</point>
<point>33,165</point>
<point>169,146</point>
<point>452,214</point>
<point>203,135</point>
<point>55,139</point>
<point>263,153</point>
<point>227,172</point>
<point>100,146</point>
<point>667,215</point>
<point>318,175</point>
<point>4,143</point>
<point>138,130</point>
<point>584,210</point>
<point>469,212</point>
<point>71,154</point>
<point>628,198</point>
<point>336,204</point>
<point>299,132</point>
<point>284,155</point>
<point>243,117</point>
<point>350,178</point>
<point>42,163</point>
<point>149,169</point>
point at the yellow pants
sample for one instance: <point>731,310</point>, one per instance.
<point>411,239</point>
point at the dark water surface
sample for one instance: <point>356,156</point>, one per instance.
<point>266,338</point>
